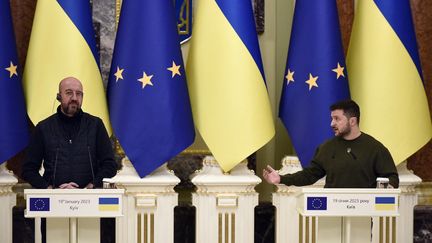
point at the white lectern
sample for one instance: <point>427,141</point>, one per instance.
<point>345,215</point>
<point>72,214</point>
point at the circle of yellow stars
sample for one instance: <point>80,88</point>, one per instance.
<point>313,80</point>
<point>146,79</point>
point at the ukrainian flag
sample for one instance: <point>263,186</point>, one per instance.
<point>386,77</point>
<point>385,203</point>
<point>62,44</point>
<point>229,99</point>
<point>108,204</point>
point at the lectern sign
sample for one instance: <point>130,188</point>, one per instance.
<point>39,204</point>
<point>348,202</point>
<point>316,203</point>
<point>74,203</point>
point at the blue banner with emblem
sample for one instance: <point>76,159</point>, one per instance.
<point>40,204</point>
<point>317,203</point>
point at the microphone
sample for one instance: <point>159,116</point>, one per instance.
<point>91,165</point>
<point>55,168</point>
<point>351,153</point>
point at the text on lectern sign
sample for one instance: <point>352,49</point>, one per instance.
<point>77,203</point>
<point>348,204</point>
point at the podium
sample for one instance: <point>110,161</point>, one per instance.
<point>345,215</point>
<point>72,214</point>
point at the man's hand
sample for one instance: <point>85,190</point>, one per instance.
<point>90,186</point>
<point>271,175</point>
<point>70,185</point>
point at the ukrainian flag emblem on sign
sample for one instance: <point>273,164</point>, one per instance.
<point>108,204</point>
<point>385,203</point>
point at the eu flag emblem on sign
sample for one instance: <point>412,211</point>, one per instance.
<point>40,204</point>
<point>317,203</point>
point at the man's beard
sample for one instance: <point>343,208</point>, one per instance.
<point>344,131</point>
<point>69,110</point>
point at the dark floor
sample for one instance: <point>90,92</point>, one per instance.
<point>184,225</point>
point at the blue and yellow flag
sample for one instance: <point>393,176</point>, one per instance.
<point>109,203</point>
<point>62,44</point>
<point>315,76</point>
<point>13,122</point>
<point>385,203</point>
<point>226,81</point>
<point>386,79</point>
<point>148,97</point>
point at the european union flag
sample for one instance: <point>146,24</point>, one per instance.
<point>40,204</point>
<point>315,78</point>
<point>13,123</point>
<point>317,203</point>
<point>147,93</point>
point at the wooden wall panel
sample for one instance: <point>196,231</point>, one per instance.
<point>346,17</point>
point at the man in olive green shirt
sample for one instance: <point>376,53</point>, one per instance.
<point>352,159</point>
